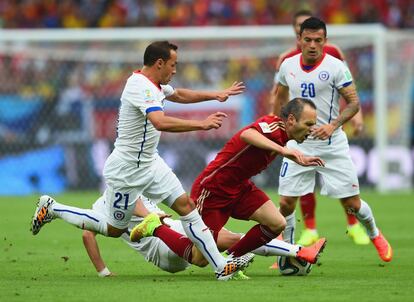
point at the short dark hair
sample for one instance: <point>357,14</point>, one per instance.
<point>295,107</point>
<point>158,50</point>
<point>301,13</point>
<point>313,23</point>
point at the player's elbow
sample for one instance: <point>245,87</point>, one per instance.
<point>87,235</point>
<point>159,124</point>
<point>245,135</point>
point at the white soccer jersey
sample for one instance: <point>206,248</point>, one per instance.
<point>137,138</point>
<point>319,84</point>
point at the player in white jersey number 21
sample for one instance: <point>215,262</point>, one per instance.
<point>134,168</point>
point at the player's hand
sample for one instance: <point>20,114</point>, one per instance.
<point>162,217</point>
<point>313,161</point>
<point>235,89</point>
<point>323,132</point>
<point>213,121</point>
<point>293,154</point>
<point>357,126</point>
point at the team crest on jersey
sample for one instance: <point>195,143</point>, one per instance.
<point>323,76</point>
<point>118,215</point>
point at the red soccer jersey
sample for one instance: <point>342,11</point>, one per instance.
<point>238,161</point>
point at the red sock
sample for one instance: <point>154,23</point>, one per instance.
<point>308,205</point>
<point>178,243</point>
<point>351,219</point>
<point>255,237</point>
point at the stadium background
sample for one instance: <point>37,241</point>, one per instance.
<point>59,100</point>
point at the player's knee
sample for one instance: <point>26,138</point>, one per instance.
<point>183,205</point>
<point>278,225</point>
<point>287,205</point>
<point>115,232</point>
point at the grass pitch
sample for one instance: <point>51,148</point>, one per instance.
<point>53,266</point>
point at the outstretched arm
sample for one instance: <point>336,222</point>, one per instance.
<point>92,248</point>
<point>172,124</point>
<point>255,138</point>
<point>187,96</point>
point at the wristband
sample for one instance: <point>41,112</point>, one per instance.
<point>105,272</point>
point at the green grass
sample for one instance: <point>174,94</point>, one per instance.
<point>33,268</point>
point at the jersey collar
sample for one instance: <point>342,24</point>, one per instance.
<point>302,65</point>
<point>155,84</point>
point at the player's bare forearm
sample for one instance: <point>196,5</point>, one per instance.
<point>92,248</point>
<point>188,96</point>
<point>172,124</point>
<point>351,98</point>
<point>255,138</point>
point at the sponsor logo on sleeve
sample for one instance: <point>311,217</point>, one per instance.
<point>265,127</point>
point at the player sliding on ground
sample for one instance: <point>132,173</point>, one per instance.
<point>177,253</point>
<point>135,168</point>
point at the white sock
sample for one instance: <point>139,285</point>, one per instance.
<point>200,235</point>
<point>277,247</point>
<point>366,218</point>
<point>289,231</point>
<point>85,219</point>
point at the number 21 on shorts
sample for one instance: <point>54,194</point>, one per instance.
<point>121,201</point>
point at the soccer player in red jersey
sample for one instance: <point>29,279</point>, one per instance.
<point>224,188</point>
<point>308,202</point>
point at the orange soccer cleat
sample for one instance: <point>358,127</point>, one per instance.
<point>311,253</point>
<point>384,249</point>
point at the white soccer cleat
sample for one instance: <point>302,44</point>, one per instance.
<point>42,214</point>
<point>233,265</point>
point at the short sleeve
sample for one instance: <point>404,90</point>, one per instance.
<point>269,128</point>
<point>281,76</point>
<point>141,96</point>
<point>343,77</point>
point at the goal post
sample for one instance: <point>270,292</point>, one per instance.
<point>79,74</point>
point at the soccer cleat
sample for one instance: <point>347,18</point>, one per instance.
<point>42,214</point>
<point>311,254</point>
<point>308,237</point>
<point>233,265</point>
<point>240,276</point>
<point>358,234</point>
<point>384,249</point>
<point>146,228</point>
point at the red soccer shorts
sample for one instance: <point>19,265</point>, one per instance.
<point>216,209</point>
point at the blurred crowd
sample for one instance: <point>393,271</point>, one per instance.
<point>127,13</point>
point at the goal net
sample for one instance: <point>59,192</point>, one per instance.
<point>60,89</point>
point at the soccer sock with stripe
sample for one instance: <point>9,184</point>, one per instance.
<point>85,219</point>
<point>289,231</point>
<point>201,236</point>
<point>254,238</point>
<point>277,247</point>
<point>366,218</point>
